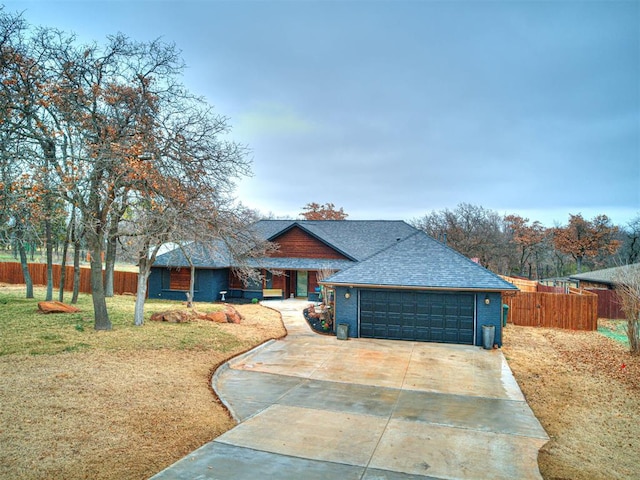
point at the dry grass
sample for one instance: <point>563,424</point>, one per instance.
<point>585,390</point>
<point>80,404</point>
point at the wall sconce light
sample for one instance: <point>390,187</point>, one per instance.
<point>347,294</point>
<point>487,301</point>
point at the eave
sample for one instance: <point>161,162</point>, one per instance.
<point>413,287</point>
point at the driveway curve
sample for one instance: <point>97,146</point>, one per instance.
<point>314,407</point>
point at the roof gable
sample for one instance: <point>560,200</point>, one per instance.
<point>356,239</point>
<point>297,242</point>
<point>419,261</point>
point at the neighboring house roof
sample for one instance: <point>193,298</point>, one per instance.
<point>606,276</point>
<point>356,239</point>
<point>419,261</point>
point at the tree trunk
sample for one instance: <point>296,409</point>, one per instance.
<point>49,252</point>
<point>110,262</point>
<point>76,271</point>
<point>63,261</point>
<point>579,264</point>
<point>633,334</point>
<point>144,269</point>
<point>101,315</point>
<point>63,269</point>
<point>192,282</point>
<point>112,244</point>
<point>25,269</point>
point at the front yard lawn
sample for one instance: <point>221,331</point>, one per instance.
<point>585,390</point>
<point>124,404</point>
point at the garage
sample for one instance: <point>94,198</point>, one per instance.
<point>418,289</point>
<point>417,315</point>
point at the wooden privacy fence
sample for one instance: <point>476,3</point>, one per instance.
<point>556,307</point>
<point>573,311</point>
<point>608,304</point>
<point>522,284</point>
<point>10,272</point>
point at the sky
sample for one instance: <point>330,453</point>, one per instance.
<point>394,109</point>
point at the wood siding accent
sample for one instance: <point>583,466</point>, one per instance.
<point>234,282</point>
<point>280,281</point>
<point>313,281</point>
<point>10,272</point>
<point>179,279</point>
<point>296,243</point>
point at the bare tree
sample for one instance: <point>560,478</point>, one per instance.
<point>322,275</point>
<point>201,226</point>
<point>472,230</point>
<point>144,232</point>
<point>630,250</point>
<point>628,291</point>
<point>109,123</point>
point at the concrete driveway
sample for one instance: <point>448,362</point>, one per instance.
<point>314,407</point>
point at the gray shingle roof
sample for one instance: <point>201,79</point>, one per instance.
<point>388,253</point>
<point>420,261</point>
<point>214,255</point>
<point>357,239</point>
<point>266,229</point>
<point>607,276</point>
<point>276,263</point>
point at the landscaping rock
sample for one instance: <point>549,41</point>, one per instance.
<point>56,307</point>
<point>233,315</point>
<point>229,315</point>
<point>172,316</point>
<point>218,317</point>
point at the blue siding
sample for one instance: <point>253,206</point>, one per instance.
<point>251,294</point>
<point>209,283</point>
<point>489,315</point>
<point>347,310</point>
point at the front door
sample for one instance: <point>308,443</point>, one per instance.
<point>301,283</point>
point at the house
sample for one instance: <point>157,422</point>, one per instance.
<point>306,248</point>
<point>419,289</point>
<point>604,279</point>
<point>384,279</point>
<point>602,283</point>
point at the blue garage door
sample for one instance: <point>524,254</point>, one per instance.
<point>421,316</point>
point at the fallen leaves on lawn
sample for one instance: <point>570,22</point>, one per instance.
<point>588,404</point>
